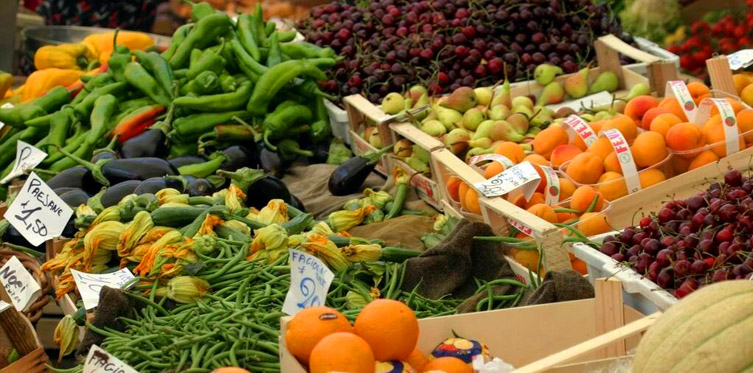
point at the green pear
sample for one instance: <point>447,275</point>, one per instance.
<point>606,81</point>
<point>460,100</point>
<point>483,142</point>
<point>408,103</point>
<point>519,122</point>
<point>472,118</point>
<point>587,117</point>
<point>522,101</point>
<point>523,110</point>
<point>499,112</point>
<point>602,115</point>
<point>422,154</point>
<point>374,139</point>
<point>639,89</point>
<point>541,120</point>
<point>483,95</point>
<point>502,95</point>
<point>532,132</point>
<point>576,85</point>
<point>553,93</point>
<point>503,130</point>
<point>393,103</point>
<point>457,140</point>
<point>448,117</point>
<point>564,112</point>
<point>416,164</point>
<point>477,151</point>
<point>416,92</point>
<point>433,128</point>
<point>483,130</point>
<point>423,100</point>
<point>543,110</point>
<point>545,73</point>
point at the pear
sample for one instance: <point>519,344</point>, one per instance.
<point>564,112</point>
<point>448,117</point>
<point>416,92</point>
<point>499,112</point>
<point>502,94</point>
<point>483,142</point>
<point>477,151</point>
<point>606,81</point>
<point>423,100</point>
<point>483,130</point>
<point>416,164</point>
<point>402,148</point>
<point>460,100</point>
<point>483,95</point>
<point>541,120</point>
<point>602,115</point>
<point>472,118</point>
<point>519,122</point>
<point>532,132</point>
<point>503,130</point>
<point>374,139</point>
<point>528,112</point>
<point>576,84</point>
<point>393,103</point>
<point>587,117</point>
<point>433,128</point>
<point>639,89</point>
<point>408,103</point>
<point>553,93</point>
<point>543,110</point>
<point>457,140</point>
<point>422,154</point>
<point>522,101</point>
<point>545,73</point>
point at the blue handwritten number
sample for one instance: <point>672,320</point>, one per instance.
<point>308,290</point>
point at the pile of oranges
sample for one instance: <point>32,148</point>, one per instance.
<point>382,339</point>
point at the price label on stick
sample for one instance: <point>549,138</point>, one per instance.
<point>27,157</point>
<point>90,285</point>
<point>309,282</point>
<point>19,284</point>
<point>521,176</point>
<point>100,361</point>
<point>740,59</point>
<point>678,90</point>
<point>37,212</point>
<point>581,129</point>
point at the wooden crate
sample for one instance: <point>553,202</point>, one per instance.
<point>571,332</point>
<point>361,114</point>
<point>18,333</point>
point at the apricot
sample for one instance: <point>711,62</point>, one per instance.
<point>593,223</point>
<point>703,158</point>
<point>663,122</point>
<point>652,113</point>
<point>680,164</point>
<point>536,159</point>
<point>471,202</point>
<point>713,131</point>
<point>585,168</point>
<point>567,188</point>
<point>453,188</point>
<point>462,191</point>
<point>671,104</point>
<point>579,266</point>
<point>548,139</point>
<point>638,106</point>
<point>565,217</point>
<point>563,153</point>
<point>601,147</point>
<point>520,200</point>
<point>527,258</point>
<point>584,196</point>
<point>612,164</point>
<point>511,150</point>
<point>684,137</point>
<point>624,124</point>
<point>737,106</point>
<point>612,186</point>
<point>648,149</point>
<point>741,81</point>
<point>544,211</point>
<point>650,177</point>
<point>493,168</point>
<point>747,94</point>
<point>745,124</point>
<point>698,90</point>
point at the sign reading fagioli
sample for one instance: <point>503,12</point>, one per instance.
<point>678,90</point>
<point>625,158</point>
<point>581,129</point>
<point>37,212</point>
<point>309,282</point>
<point>729,121</point>
<point>100,361</point>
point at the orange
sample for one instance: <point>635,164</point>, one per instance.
<point>583,198</point>
<point>493,168</point>
<point>593,223</point>
<point>342,352</point>
<point>511,150</point>
<point>417,360</point>
<point>448,364</point>
<point>309,326</point>
<point>649,149</point>
<point>544,211</point>
<point>390,328</point>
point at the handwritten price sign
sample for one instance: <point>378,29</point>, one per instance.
<point>37,212</point>
<point>309,282</point>
<point>19,284</point>
<point>740,59</point>
<point>100,361</point>
<point>27,157</point>
<point>90,285</point>
<point>522,176</point>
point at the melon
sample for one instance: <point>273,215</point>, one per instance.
<point>710,330</point>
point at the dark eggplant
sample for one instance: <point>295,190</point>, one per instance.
<point>75,198</point>
<point>266,189</point>
<point>120,170</point>
<point>115,193</point>
<point>238,156</point>
<point>321,153</point>
<point>271,162</point>
<point>12,235</point>
<point>61,191</point>
<point>297,203</point>
<point>151,143</point>
<point>349,176</point>
<point>186,160</point>
<point>155,184</point>
<point>70,178</point>
<point>199,187</point>
<point>70,227</point>
<point>103,155</point>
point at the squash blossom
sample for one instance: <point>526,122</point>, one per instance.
<point>233,198</point>
<point>362,253</point>
<point>345,220</point>
<point>269,242</point>
<point>128,201</point>
<point>207,226</point>
<point>104,236</point>
<point>354,204</point>
<point>147,263</point>
<point>155,234</point>
<point>111,213</point>
<point>238,226</point>
<point>204,245</point>
<point>439,222</point>
<point>376,216</point>
<point>275,212</point>
<point>354,300</point>
<point>327,251</point>
<point>66,336</point>
<point>187,289</point>
<point>322,229</point>
<point>379,199</point>
<point>84,210</point>
<point>136,229</point>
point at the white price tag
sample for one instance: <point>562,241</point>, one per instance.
<point>491,157</point>
<point>528,231</point>
<point>740,59</point>
<point>90,285</point>
<point>100,361</point>
<point>522,176</point>
<point>19,284</point>
<point>552,190</point>
<point>309,282</point>
<point>581,129</point>
<point>625,157</point>
<point>678,90</point>
<point>37,212</point>
<point>6,105</point>
<point>592,101</point>
<point>729,121</point>
<point>27,157</point>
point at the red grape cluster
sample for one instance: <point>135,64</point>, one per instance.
<point>446,44</point>
<point>690,243</point>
